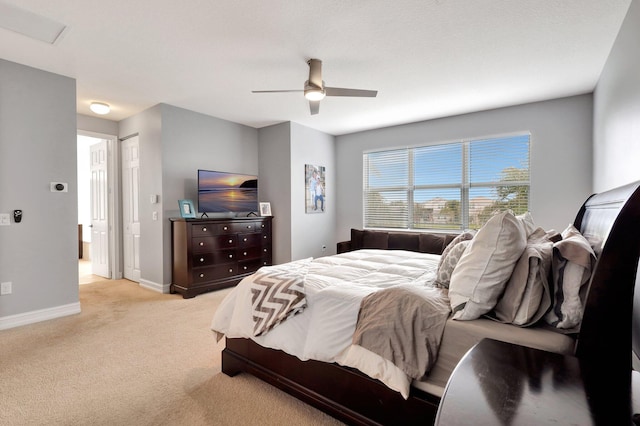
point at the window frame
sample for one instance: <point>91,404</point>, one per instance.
<point>465,186</point>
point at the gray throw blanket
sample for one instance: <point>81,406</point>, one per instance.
<point>404,325</point>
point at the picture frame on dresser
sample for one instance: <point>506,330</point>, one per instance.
<point>265,209</point>
<point>186,209</point>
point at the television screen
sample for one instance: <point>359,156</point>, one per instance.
<point>226,192</point>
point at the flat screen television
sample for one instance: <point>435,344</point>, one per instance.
<point>223,192</point>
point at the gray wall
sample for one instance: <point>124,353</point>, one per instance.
<point>311,231</point>
<point>97,125</point>
<point>561,157</point>
<point>174,144</point>
<point>616,143</point>
<point>274,147</point>
<point>284,150</point>
<point>37,146</point>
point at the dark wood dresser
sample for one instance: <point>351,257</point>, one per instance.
<point>210,254</point>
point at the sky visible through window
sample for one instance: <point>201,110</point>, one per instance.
<point>442,165</point>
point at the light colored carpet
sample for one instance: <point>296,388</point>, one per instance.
<point>134,357</point>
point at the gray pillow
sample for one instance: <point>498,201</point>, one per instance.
<point>448,263</point>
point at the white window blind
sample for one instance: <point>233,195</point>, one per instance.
<point>449,186</point>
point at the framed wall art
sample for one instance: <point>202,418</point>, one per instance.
<point>315,199</point>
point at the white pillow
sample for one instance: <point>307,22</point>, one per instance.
<point>527,221</point>
<point>486,265</point>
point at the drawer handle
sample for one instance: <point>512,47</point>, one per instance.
<point>230,241</point>
<point>201,275</point>
<point>249,226</point>
<point>265,250</point>
<point>230,256</point>
<point>264,236</point>
<point>263,225</point>
<point>201,244</point>
<point>202,259</point>
<point>245,253</point>
<point>230,270</point>
<point>264,263</point>
<point>245,268</point>
<point>225,228</point>
<point>204,229</point>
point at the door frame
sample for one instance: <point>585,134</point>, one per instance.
<point>113,200</point>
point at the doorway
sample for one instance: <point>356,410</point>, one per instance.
<point>97,205</point>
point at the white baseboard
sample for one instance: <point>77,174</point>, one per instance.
<point>160,288</point>
<point>32,317</point>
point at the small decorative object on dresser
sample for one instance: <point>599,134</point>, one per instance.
<point>186,208</point>
<point>210,254</point>
<point>265,209</point>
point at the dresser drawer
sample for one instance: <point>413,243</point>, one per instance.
<point>249,240</point>
<point>207,244</point>
<point>249,253</point>
<point>201,275</point>
<point>248,266</point>
<point>210,258</point>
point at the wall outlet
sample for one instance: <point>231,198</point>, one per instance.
<point>5,288</point>
<point>5,219</point>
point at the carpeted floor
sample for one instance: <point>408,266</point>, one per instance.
<point>134,357</point>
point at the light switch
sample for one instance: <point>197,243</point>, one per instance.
<point>5,219</point>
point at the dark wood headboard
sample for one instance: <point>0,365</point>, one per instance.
<point>607,341</point>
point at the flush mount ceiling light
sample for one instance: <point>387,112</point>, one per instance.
<point>100,108</point>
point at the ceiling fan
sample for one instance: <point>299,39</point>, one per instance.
<point>315,90</point>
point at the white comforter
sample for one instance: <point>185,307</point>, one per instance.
<point>334,287</point>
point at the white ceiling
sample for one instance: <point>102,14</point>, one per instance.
<point>426,58</point>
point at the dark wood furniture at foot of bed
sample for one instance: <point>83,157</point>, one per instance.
<point>604,344</point>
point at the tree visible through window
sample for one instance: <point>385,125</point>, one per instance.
<point>449,186</point>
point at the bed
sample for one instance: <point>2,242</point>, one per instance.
<point>323,348</point>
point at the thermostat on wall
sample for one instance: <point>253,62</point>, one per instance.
<point>59,187</point>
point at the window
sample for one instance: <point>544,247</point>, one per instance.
<point>451,186</point>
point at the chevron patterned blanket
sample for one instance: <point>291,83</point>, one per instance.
<point>276,296</point>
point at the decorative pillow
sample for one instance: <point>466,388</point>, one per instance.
<point>485,267</point>
<point>448,263</point>
<point>465,236</point>
<point>527,296</point>
<point>572,263</point>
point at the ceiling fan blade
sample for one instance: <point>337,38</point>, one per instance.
<point>315,72</point>
<point>314,106</point>
<point>338,91</point>
<point>275,91</point>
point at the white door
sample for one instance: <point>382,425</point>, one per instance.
<point>99,210</point>
<point>130,211</point>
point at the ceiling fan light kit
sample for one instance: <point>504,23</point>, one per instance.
<point>315,90</point>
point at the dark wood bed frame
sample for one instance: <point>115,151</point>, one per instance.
<point>354,398</point>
